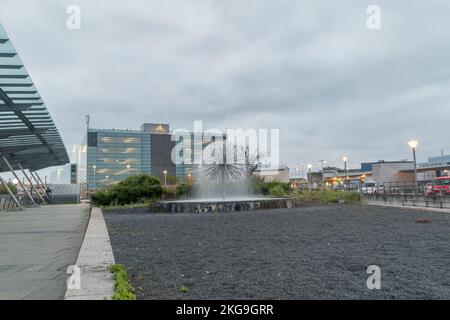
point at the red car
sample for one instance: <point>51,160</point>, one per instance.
<point>441,185</point>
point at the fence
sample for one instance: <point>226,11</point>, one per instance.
<point>8,204</point>
<point>405,195</point>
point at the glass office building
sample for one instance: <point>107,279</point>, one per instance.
<point>108,156</point>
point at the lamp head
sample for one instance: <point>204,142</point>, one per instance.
<point>413,144</point>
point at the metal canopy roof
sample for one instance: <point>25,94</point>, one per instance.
<point>28,134</point>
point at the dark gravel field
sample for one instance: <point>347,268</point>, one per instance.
<point>316,252</point>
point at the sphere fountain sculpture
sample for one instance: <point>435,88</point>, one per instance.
<point>224,184</point>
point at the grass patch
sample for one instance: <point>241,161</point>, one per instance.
<point>123,288</point>
<point>327,196</point>
<point>183,289</point>
<point>143,204</point>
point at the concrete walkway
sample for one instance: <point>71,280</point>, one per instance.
<point>37,246</point>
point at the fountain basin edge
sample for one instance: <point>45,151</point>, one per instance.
<point>219,205</point>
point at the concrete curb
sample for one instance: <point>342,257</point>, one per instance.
<point>408,207</point>
<point>95,256</point>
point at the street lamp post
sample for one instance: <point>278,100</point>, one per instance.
<point>95,180</point>
<point>302,167</point>
<point>189,178</point>
<point>413,145</point>
<point>165,178</point>
<point>345,159</point>
<point>323,175</point>
<point>310,166</point>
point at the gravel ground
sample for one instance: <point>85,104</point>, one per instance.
<point>317,252</point>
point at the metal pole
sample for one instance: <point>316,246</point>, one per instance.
<point>18,180</point>
<point>323,175</point>
<point>346,171</point>
<point>10,193</point>
<point>415,168</point>
<point>31,183</point>
<point>37,182</point>
<point>37,175</point>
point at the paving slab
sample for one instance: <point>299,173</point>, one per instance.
<point>37,245</point>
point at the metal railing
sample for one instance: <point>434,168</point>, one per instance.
<point>8,204</point>
<point>405,194</point>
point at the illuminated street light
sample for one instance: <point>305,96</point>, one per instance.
<point>165,178</point>
<point>345,159</point>
<point>189,178</point>
<point>323,175</point>
<point>95,180</point>
<point>413,145</point>
<point>310,166</point>
<point>15,181</point>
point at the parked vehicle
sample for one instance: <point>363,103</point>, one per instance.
<point>429,189</point>
<point>373,188</point>
<point>441,185</point>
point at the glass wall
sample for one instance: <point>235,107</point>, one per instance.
<point>113,155</point>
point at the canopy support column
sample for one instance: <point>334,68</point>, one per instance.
<point>10,193</point>
<point>38,184</point>
<point>43,184</point>
<point>31,183</point>
<point>19,181</point>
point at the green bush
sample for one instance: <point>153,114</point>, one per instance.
<point>11,187</point>
<point>169,192</point>
<point>327,196</point>
<point>273,188</point>
<point>135,189</point>
<point>184,190</point>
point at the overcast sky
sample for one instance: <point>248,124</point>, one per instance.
<point>310,68</point>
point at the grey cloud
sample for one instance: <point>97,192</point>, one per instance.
<point>310,68</point>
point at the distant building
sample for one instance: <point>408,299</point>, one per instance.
<point>393,171</point>
<point>270,174</point>
<point>107,156</point>
<point>437,161</point>
<point>63,175</point>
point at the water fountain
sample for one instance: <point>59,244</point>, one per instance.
<point>223,184</point>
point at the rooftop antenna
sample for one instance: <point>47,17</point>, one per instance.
<point>88,119</point>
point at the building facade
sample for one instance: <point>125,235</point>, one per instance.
<point>108,156</point>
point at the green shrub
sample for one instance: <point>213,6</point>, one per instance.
<point>327,196</point>
<point>134,189</point>
<point>274,188</point>
<point>169,192</point>
<point>11,187</point>
<point>278,190</point>
<point>123,288</point>
<point>184,190</point>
